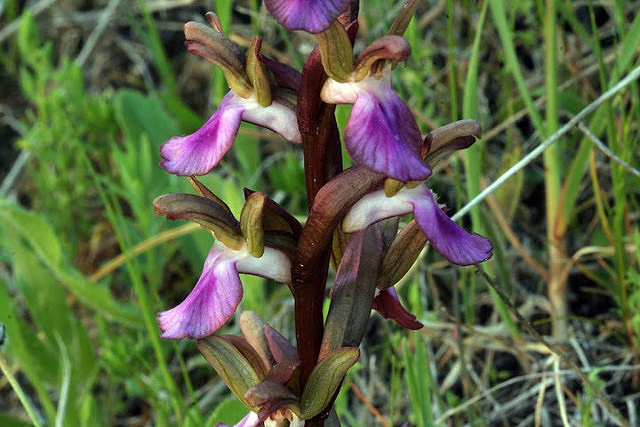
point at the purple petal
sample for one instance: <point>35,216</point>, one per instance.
<point>210,304</point>
<point>383,136</point>
<point>448,238</point>
<point>313,16</point>
<point>388,305</point>
<point>198,153</point>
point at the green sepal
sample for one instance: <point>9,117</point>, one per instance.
<point>401,255</point>
<point>251,223</point>
<point>206,212</point>
<point>285,96</point>
<point>281,241</point>
<point>403,19</point>
<point>276,218</point>
<point>325,379</point>
<point>214,46</point>
<point>336,52</point>
<point>258,75</point>
<point>233,368</point>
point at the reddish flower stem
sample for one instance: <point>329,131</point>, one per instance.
<point>322,161</point>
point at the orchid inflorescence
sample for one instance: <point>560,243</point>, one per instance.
<point>354,218</point>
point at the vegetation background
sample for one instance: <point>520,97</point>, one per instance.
<point>89,89</point>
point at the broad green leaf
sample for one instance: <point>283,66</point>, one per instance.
<point>22,344</point>
<point>34,229</point>
<point>44,242</point>
<point>139,114</point>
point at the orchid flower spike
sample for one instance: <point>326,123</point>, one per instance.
<point>381,133</point>
<point>251,99</point>
<point>448,238</point>
<point>250,246</point>
<point>312,16</point>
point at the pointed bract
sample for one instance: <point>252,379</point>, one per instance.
<point>312,16</point>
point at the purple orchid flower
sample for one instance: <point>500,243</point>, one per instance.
<point>448,238</point>
<point>200,152</point>
<point>240,247</point>
<point>251,99</point>
<point>381,132</point>
<point>214,299</point>
<point>313,16</point>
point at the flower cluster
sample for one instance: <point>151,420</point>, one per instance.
<point>354,215</point>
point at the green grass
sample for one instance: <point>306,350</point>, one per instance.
<point>82,345</point>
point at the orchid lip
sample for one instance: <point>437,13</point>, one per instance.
<point>200,152</point>
<point>448,238</point>
<point>381,133</point>
<point>216,295</point>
